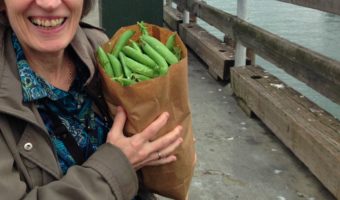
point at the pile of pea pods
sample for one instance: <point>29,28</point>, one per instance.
<point>131,61</point>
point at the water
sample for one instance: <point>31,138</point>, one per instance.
<point>313,29</point>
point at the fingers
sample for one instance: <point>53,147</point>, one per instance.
<point>154,160</point>
<point>162,161</point>
<point>139,149</point>
<point>164,153</point>
<point>166,140</point>
<point>169,149</point>
<point>119,120</point>
<point>162,149</point>
<point>151,131</point>
<point>150,158</point>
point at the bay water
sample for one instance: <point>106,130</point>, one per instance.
<point>313,29</point>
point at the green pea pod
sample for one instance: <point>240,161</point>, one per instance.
<point>105,62</point>
<point>170,43</point>
<point>139,68</point>
<point>127,71</point>
<point>123,81</point>
<point>140,77</point>
<point>152,53</point>
<point>139,57</point>
<point>122,40</point>
<point>143,28</point>
<point>116,66</point>
<point>177,51</point>
<point>135,46</point>
<point>160,48</point>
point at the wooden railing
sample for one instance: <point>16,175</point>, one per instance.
<point>313,138</point>
<point>316,70</point>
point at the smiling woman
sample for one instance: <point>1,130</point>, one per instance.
<point>57,139</point>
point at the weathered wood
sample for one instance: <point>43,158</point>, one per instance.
<point>252,56</point>
<point>216,54</point>
<point>309,132</point>
<point>219,19</point>
<point>172,17</point>
<point>332,6</point>
<point>243,105</point>
<point>317,71</point>
<point>185,4</point>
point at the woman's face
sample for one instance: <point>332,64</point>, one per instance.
<point>44,25</point>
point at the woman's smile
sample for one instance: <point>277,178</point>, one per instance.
<point>48,26</point>
<point>47,23</point>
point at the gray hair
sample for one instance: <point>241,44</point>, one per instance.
<point>87,7</point>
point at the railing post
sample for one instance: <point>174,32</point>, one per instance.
<point>186,13</point>
<point>240,55</point>
<point>186,17</point>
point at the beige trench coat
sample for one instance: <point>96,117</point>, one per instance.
<point>28,163</point>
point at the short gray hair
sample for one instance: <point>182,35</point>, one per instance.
<point>87,7</point>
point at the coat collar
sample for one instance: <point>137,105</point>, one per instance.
<point>85,51</point>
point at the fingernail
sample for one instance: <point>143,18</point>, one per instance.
<point>166,114</point>
<point>174,158</point>
<point>119,109</point>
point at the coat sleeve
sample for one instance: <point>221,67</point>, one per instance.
<point>107,174</point>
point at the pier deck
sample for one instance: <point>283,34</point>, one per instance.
<point>238,157</point>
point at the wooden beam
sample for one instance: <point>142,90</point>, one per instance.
<point>172,17</point>
<point>310,133</point>
<point>215,53</point>
<point>185,4</point>
<point>317,71</point>
<point>331,6</point>
<point>219,19</point>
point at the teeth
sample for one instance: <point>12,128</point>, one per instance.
<point>47,22</point>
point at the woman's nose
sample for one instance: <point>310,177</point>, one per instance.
<point>48,4</point>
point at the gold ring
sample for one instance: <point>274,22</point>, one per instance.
<point>159,155</point>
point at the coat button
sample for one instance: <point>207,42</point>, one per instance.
<point>28,146</point>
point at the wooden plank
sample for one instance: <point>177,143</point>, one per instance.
<point>244,107</point>
<point>219,19</point>
<point>216,54</point>
<point>331,6</point>
<point>172,17</point>
<point>317,71</point>
<point>310,133</point>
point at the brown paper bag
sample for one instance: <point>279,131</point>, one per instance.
<point>145,101</point>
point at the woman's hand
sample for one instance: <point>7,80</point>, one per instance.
<point>139,149</point>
